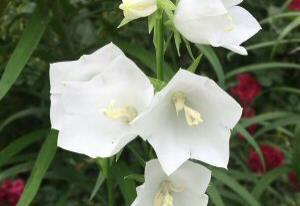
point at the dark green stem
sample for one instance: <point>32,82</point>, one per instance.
<point>159,44</point>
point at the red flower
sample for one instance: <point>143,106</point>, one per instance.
<point>2,196</point>
<point>274,158</point>
<point>12,191</point>
<point>247,89</point>
<point>294,181</point>
<point>248,112</point>
<point>295,5</point>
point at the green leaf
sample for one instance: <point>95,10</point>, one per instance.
<point>157,84</point>
<point>98,185</point>
<point>193,67</point>
<point>296,150</point>
<point>3,5</point>
<point>215,62</point>
<point>291,120</point>
<point>123,23</point>
<point>127,186</point>
<point>267,179</point>
<point>260,119</point>
<point>166,5</point>
<point>235,186</point>
<point>15,170</point>
<point>27,44</point>
<point>251,141</point>
<point>262,67</point>
<point>136,177</point>
<point>287,30</point>
<point>41,165</point>
<point>18,145</point>
<point>214,195</point>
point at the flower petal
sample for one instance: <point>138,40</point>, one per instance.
<point>123,83</point>
<point>186,198</point>
<point>203,8</point>
<point>154,175</point>
<point>173,139</point>
<point>134,9</point>
<point>193,177</point>
<point>56,111</point>
<point>93,136</point>
<point>82,69</point>
<point>230,3</point>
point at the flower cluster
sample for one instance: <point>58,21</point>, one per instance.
<point>273,156</point>
<point>295,5</point>
<point>103,101</point>
<point>11,191</point>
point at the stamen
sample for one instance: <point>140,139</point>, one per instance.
<point>164,195</point>
<point>230,27</point>
<point>193,117</point>
<point>126,114</point>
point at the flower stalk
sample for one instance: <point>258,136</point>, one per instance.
<point>159,40</point>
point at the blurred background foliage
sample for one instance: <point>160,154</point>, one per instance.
<point>34,33</point>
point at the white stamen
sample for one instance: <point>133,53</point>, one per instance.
<point>164,195</point>
<point>193,117</point>
<point>126,114</point>
<point>230,26</point>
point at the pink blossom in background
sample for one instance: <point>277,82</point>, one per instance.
<point>11,191</point>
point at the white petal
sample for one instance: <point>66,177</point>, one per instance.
<point>83,69</point>
<point>154,176</point>
<point>193,177</point>
<point>237,49</point>
<point>190,199</point>
<point>230,3</point>
<point>244,26</point>
<point>93,136</point>
<point>194,9</point>
<point>123,83</point>
<point>228,30</point>
<point>56,111</point>
<point>134,9</point>
<point>173,140</point>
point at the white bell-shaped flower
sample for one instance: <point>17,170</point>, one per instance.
<point>97,114</point>
<point>220,23</point>
<point>84,69</point>
<point>191,117</point>
<point>186,186</point>
<point>134,9</point>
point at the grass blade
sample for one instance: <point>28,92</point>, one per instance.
<point>18,145</point>
<point>27,44</point>
<point>41,165</point>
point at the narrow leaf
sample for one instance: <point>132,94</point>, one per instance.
<point>27,44</point>
<point>41,165</point>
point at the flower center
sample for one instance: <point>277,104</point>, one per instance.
<point>229,28</point>
<point>164,195</point>
<point>126,113</point>
<point>193,117</point>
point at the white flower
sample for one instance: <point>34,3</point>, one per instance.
<point>219,23</point>
<point>134,9</point>
<point>186,186</point>
<point>190,118</point>
<point>84,69</point>
<point>97,114</point>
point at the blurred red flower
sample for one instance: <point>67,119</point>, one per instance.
<point>2,196</point>
<point>11,191</point>
<point>273,156</point>
<point>295,5</point>
<point>247,89</point>
<point>294,180</point>
<point>248,112</point>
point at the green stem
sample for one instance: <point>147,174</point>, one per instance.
<point>107,172</point>
<point>159,35</point>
